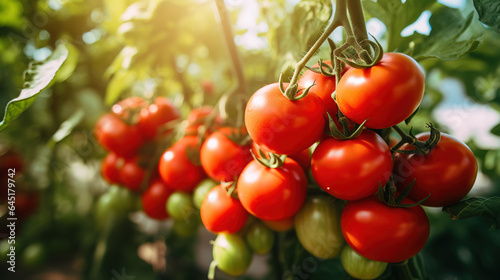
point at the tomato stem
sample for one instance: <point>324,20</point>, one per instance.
<point>404,272</point>
<point>211,270</point>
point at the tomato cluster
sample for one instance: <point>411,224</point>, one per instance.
<point>285,168</point>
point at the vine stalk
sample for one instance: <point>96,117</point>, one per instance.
<point>354,35</point>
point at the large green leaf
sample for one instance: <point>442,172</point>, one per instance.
<point>396,16</point>
<point>477,206</point>
<point>298,32</point>
<point>489,12</point>
<point>36,78</point>
<point>451,36</point>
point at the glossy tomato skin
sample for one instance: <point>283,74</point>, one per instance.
<point>132,175</point>
<point>360,267</point>
<point>383,233</point>
<point>221,158</point>
<point>283,126</point>
<point>447,173</point>
<point>180,206</point>
<point>232,254</point>
<point>117,136</point>
<point>201,191</point>
<point>110,168</point>
<point>385,94</point>
<point>280,225</point>
<point>155,198</point>
<point>352,169</point>
<point>318,226</point>
<point>324,87</point>
<point>177,170</point>
<point>155,115</point>
<point>260,238</point>
<point>221,213</point>
<point>272,193</point>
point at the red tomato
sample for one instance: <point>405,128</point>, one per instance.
<point>129,108</point>
<point>177,170</point>
<point>283,126</point>
<point>272,193</point>
<point>385,94</point>
<point>155,115</point>
<point>110,168</point>
<point>303,157</point>
<point>383,233</point>
<point>198,116</point>
<point>220,213</point>
<point>221,158</point>
<point>352,169</point>
<point>447,173</point>
<point>132,175</point>
<point>208,87</point>
<point>324,87</point>
<point>280,225</point>
<point>116,136</point>
<point>26,203</point>
<point>154,200</point>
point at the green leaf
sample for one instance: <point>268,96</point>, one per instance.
<point>120,81</point>
<point>489,12</point>
<point>451,37</point>
<point>298,32</point>
<point>396,16</point>
<point>67,126</point>
<point>69,65</point>
<point>476,206</point>
<point>496,129</point>
<point>36,78</point>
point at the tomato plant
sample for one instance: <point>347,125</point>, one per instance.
<point>385,94</point>
<point>383,233</point>
<point>352,169</point>
<point>222,158</point>
<point>272,193</point>
<point>283,126</point>
<point>222,213</point>
<point>176,167</point>
<point>447,173</point>
<point>318,226</point>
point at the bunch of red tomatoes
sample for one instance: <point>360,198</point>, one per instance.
<point>284,170</point>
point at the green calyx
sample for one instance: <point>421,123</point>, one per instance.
<point>238,137</point>
<point>421,147</point>
<point>344,133</point>
<point>361,58</point>
<point>388,195</point>
<point>291,91</point>
<point>271,161</point>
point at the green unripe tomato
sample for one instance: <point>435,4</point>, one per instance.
<point>232,254</point>
<point>360,267</point>
<point>114,204</point>
<point>180,206</point>
<point>318,226</point>
<point>201,191</point>
<point>260,238</point>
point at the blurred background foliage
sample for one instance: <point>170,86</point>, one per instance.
<point>77,227</point>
